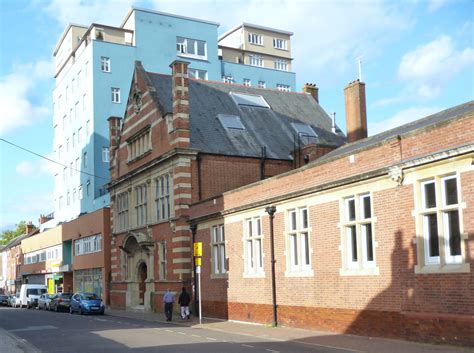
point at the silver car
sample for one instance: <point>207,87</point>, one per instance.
<point>44,301</point>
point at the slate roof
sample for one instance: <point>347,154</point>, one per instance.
<point>429,121</point>
<point>263,127</point>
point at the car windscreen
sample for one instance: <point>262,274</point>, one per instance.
<point>66,295</point>
<point>89,296</point>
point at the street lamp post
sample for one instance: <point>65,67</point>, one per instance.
<point>271,212</point>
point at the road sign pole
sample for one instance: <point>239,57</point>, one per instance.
<point>198,271</point>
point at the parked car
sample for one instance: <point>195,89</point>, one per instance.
<point>86,303</point>
<point>3,299</point>
<point>29,294</point>
<point>15,300</point>
<point>60,302</point>
<point>44,301</point>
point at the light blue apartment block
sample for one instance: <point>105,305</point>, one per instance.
<point>94,67</point>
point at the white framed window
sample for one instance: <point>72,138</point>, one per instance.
<point>247,82</point>
<point>298,247</point>
<point>60,202</point>
<point>80,192</point>
<point>88,187</point>
<point>84,160</point>
<point>439,221</point>
<point>60,152</point>
<point>227,79</point>
<point>283,88</point>
<point>71,169</point>
<point>162,260</point>
<point>191,47</point>
<point>68,198</point>
<point>281,65</point>
<point>115,95</point>
<point>197,74</point>
<point>74,194</point>
<point>79,135</point>
<point>219,263</point>
<point>104,64</point>
<point>122,211</point>
<point>261,84</point>
<point>163,197</point>
<point>256,60</point>
<point>141,204</point>
<point>357,234</point>
<point>84,101</point>
<point>105,155</point>
<point>279,43</point>
<point>253,240</point>
<point>88,245</point>
<point>255,39</point>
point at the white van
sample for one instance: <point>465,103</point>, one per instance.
<point>29,294</point>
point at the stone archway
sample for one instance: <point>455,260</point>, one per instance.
<point>138,259</point>
<point>142,274</point>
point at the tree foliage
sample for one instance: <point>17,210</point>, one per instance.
<point>8,235</point>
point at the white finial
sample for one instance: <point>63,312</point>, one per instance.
<point>360,70</point>
<point>333,129</point>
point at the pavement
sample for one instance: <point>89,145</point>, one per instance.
<point>9,343</point>
<point>350,343</point>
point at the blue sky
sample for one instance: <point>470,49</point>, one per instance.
<point>417,59</point>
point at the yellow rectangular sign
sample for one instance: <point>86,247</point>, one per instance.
<point>198,261</point>
<point>198,249</point>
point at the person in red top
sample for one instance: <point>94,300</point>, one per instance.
<point>184,300</point>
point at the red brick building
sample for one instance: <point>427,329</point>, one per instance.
<point>182,141</point>
<point>375,238</point>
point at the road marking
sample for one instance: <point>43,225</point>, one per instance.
<point>34,328</point>
<point>104,320</point>
<point>271,350</point>
<point>211,339</point>
<point>196,336</point>
<point>248,345</point>
<point>181,333</point>
<point>169,331</point>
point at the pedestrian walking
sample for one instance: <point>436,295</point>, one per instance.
<point>168,300</point>
<point>184,300</point>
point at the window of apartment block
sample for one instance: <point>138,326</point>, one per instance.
<point>73,139</point>
<point>162,260</point>
<point>88,245</point>
<point>218,250</point>
<point>64,122</point>
<point>71,169</point>
<point>78,81</point>
<point>60,202</point>
<point>283,88</point>
<point>60,152</point>
<point>64,173</point>
<point>191,47</point>
<point>279,43</point>
<point>298,241</point>
<point>439,221</point>
<point>79,135</point>
<point>255,39</point>
<point>84,160</point>
<point>256,60</point>
<point>104,64</point>
<point>253,246</point>
<point>281,65</point>
<point>105,155</point>
<point>76,110</point>
<point>141,204</point>
<point>261,84</point>
<point>77,165</point>
<point>73,84</point>
<point>247,82</point>
<point>227,79</point>
<point>197,74</point>
<point>358,237</point>
<point>80,192</point>
<point>84,101</point>
<point>67,145</point>
<point>115,95</point>
<point>74,195</point>
<point>163,197</point>
<point>88,187</point>
<point>122,211</point>
<point>67,93</point>
<point>68,198</point>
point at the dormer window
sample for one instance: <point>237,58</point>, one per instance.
<point>249,100</point>
<point>230,122</point>
<point>304,130</point>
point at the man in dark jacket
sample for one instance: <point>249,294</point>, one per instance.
<point>184,300</point>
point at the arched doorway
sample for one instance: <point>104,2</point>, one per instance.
<point>142,275</point>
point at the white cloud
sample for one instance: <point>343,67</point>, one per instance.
<point>434,5</point>
<point>430,66</point>
<point>25,169</point>
<point>37,168</point>
<point>110,12</point>
<point>18,106</point>
<point>402,117</point>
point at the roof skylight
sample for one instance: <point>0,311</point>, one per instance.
<point>230,121</point>
<point>304,130</point>
<point>249,100</point>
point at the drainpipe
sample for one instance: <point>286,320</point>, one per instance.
<point>271,212</point>
<point>262,163</point>
<point>193,228</point>
<point>198,160</point>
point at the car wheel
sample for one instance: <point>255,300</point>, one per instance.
<point>27,305</point>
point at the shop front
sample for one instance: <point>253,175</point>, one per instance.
<point>89,280</point>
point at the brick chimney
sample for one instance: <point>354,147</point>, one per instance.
<point>180,85</point>
<point>29,227</point>
<point>356,113</point>
<point>312,89</point>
